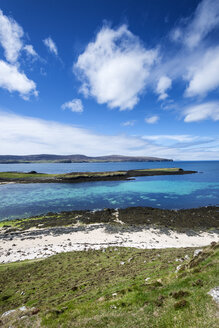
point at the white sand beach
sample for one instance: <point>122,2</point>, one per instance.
<point>41,243</point>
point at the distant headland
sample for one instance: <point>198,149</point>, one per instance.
<point>47,158</point>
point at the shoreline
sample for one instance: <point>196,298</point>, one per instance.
<point>143,228</point>
<point>77,177</point>
<point>200,218</point>
<point>42,243</point>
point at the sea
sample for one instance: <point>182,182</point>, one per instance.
<point>166,192</point>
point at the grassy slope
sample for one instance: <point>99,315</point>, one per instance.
<point>76,289</point>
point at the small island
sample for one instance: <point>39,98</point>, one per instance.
<point>74,177</point>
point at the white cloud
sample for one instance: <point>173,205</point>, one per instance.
<point>209,110</point>
<point>197,60</point>
<point>13,80</point>
<point>24,135</point>
<point>114,68</point>
<point>163,85</point>
<point>179,138</point>
<point>129,123</point>
<point>10,37</point>
<point>30,50</point>
<point>75,105</point>
<point>203,76</point>
<point>152,119</point>
<point>205,19</point>
<point>50,44</point>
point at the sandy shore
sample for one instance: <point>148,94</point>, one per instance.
<point>41,243</point>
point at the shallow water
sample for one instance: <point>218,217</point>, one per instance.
<point>173,192</point>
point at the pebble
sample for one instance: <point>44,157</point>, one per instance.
<point>7,313</point>
<point>197,252</point>
<point>178,268</point>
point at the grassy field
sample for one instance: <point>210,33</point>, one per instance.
<point>22,175</point>
<point>118,287</point>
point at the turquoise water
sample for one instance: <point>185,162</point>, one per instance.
<point>186,191</point>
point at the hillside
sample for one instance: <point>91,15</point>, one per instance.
<point>116,287</point>
<point>44,158</point>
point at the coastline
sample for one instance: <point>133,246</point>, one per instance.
<point>77,177</point>
<point>41,243</point>
<point>143,228</point>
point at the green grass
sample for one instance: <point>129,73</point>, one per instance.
<point>28,176</point>
<point>18,223</point>
<point>171,169</point>
<point>93,289</point>
<point>21,175</point>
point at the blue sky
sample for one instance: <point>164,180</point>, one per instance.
<point>110,77</point>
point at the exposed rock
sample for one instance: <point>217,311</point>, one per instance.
<point>214,292</point>
<point>22,308</point>
<point>197,252</point>
<point>5,314</point>
<point>101,299</point>
<point>34,311</point>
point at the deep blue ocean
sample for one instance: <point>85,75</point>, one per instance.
<point>170,192</point>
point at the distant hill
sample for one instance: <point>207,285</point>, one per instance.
<point>45,158</point>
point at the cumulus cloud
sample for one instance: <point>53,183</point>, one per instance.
<point>208,110</point>
<point>203,76</point>
<point>163,85</point>
<point>50,44</point>
<point>204,20</point>
<point>196,61</point>
<point>11,40</point>
<point>152,119</point>
<point>114,68</point>
<point>10,37</point>
<point>75,105</point>
<point>13,80</point>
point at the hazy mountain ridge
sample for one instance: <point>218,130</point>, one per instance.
<point>4,159</point>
